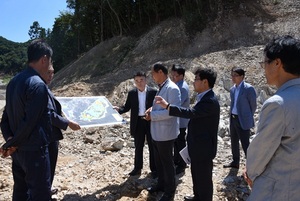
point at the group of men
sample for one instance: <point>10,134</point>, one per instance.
<point>272,153</point>
<point>31,123</point>
<point>167,136</point>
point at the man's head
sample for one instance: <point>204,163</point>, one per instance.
<point>205,79</point>
<point>237,75</point>
<point>140,80</point>
<point>177,73</point>
<point>282,60</point>
<point>48,76</point>
<point>39,55</point>
<point>159,73</point>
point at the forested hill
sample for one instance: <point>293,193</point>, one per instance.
<point>13,56</point>
<point>88,23</point>
<point>137,32</point>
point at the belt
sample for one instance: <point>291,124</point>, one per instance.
<point>142,117</point>
<point>234,116</point>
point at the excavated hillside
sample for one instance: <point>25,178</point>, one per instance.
<point>251,24</point>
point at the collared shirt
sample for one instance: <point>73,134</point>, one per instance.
<point>142,101</point>
<point>236,95</point>
<point>200,95</point>
<point>185,101</point>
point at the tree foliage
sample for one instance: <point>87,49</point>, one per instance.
<point>89,22</point>
<point>12,56</point>
<point>36,31</point>
<point>93,21</point>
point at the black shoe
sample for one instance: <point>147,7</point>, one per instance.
<point>190,198</point>
<point>231,165</point>
<point>54,191</point>
<point>179,170</point>
<point>167,197</point>
<point>154,189</point>
<point>135,172</point>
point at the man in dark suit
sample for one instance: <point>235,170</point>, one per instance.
<point>138,101</point>
<point>242,108</point>
<point>58,123</point>
<point>202,132</point>
<point>26,125</point>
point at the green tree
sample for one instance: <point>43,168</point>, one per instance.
<point>63,40</point>
<point>36,31</point>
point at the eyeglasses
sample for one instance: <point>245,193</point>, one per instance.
<point>263,63</point>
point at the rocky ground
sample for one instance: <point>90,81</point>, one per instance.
<point>94,164</point>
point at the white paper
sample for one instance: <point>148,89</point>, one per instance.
<point>184,153</point>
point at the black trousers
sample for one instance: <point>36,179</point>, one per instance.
<point>163,153</point>
<point>53,154</point>
<point>142,133</point>
<point>178,146</point>
<point>201,170</point>
<point>236,134</point>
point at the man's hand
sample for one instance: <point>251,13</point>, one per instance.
<point>74,126</point>
<point>7,152</point>
<point>147,113</point>
<point>248,180</point>
<point>162,102</point>
<point>116,108</point>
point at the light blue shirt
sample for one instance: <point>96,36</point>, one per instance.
<point>185,101</point>
<point>200,95</point>
<point>236,95</point>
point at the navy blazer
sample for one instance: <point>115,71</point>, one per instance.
<point>203,126</point>
<point>132,104</point>
<point>246,105</point>
<point>58,122</point>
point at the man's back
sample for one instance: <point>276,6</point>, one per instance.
<point>26,111</point>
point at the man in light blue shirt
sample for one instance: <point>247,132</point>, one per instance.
<point>242,108</point>
<point>177,76</point>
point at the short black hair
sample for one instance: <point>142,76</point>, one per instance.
<point>37,49</point>
<point>238,70</point>
<point>179,69</point>
<point>139,74</point>
<point>161,67</point>
<point>207,73</point>
<point>287,49</point>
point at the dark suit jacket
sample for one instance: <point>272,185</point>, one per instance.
<point>25,116</point>
<point>132,104</point>
<point>202,127</point>
<point>58,122</point>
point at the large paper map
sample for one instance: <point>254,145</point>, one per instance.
<point>90,111</point>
